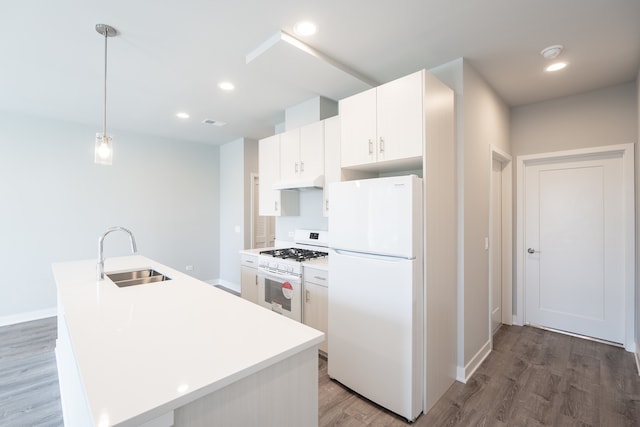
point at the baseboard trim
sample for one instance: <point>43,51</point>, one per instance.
<point>464,373</point>
<point>225,283</point>
<point>28,316</point>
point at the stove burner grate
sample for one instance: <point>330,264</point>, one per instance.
<point>295,254</point>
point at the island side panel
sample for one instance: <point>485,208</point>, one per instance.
<point>284,394</point>
<point>75,408</point>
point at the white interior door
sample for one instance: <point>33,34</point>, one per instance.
<point>263,230</point>
<point>496,244</point>
<point>575,246</point>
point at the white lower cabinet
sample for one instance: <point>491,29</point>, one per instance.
<point>249,277</point>
<point>315,310</point>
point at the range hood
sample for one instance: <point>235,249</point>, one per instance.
<point>302,184</point>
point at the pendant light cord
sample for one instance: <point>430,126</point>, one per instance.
<point>104,122</point>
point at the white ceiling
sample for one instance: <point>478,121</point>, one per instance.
<point>169,56</point>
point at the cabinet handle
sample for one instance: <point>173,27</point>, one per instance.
<point>248,261</point>
<point>381,145</point>
<point>256,280</point>
<point>296,167</point>
<point>301,166</point>
<point>326,205</point>
<point>319,277</point>
<point>370,147</point>
<point>307,296</point>
<point>275,206</point>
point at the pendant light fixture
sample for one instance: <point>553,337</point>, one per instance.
<point>104,143</point>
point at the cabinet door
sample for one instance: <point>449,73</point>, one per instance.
<point>249,284</point>
<point>400,118</point>
<point>269,170</point>
<point>312,150</point>
<point>358,130</point>
<point>290,155</point>
<point>316,310</point>
<point>332,171</point>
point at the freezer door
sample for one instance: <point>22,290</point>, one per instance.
<point>379,216</point>
<point>376,327</point>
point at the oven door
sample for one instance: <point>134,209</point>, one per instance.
<point>282,294</point>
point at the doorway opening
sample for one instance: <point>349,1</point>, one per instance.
<point>575,242</point>
<point>500,238</point>
<point>263,228</point>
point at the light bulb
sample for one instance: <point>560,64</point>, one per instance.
<point>305,28</point>
<point>104,151</point>
<point>226,86</point>
<point>556,66</point>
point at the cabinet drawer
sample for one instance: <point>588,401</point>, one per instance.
<point>249,260</point>
<point>317,276</point>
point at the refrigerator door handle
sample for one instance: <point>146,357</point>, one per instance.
<point>388,258</point>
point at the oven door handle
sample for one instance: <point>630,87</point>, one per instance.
<point>279,277</point>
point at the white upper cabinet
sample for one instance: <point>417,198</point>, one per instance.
<point>332,171</point>
<point>358,132</point>
<point>312,150</point>
<point>273,202</point>
<point>290,155</point>
<point>302,153</point>
<point>384,124</point>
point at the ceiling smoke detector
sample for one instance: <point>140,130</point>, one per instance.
<point>552,51</point>
<point>213,122</point>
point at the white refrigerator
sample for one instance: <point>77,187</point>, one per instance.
<point>376,292</point>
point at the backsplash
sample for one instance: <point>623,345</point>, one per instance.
<point>310,216</point>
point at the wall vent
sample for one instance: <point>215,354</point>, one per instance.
<point>213,122</point>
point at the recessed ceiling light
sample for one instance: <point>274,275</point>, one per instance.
<point>182,115</point>
<point>556,66</point>
<point>305,28</point>
<point>226,86</point>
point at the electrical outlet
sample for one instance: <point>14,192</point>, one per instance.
<point>189,268</point>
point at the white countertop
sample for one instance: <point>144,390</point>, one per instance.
<point>151,348</point>
<point>254,252</point>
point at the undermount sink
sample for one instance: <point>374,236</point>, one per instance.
<point>136,277</point>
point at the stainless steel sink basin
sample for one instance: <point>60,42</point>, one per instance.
<point>136,277</point>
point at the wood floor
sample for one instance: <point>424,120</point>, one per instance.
<point>532,378</point>
<point>29,394</point>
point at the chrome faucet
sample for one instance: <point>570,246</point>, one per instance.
<point>134,248</point>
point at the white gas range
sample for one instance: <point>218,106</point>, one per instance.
<point>280,272</point>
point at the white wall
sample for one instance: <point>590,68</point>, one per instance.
<point>310,216</point>
<point>309,111</point>
<point>482,121</point>
<point>638,223</point>
<point>238,159</point>
<point>231,211</point>
<point>601,117</point>
<point>607,116</point>
<point>250,167</point>
<point>56,202</point>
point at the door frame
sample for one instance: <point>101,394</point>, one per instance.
<point>507,236</point>
<point>626,152</point>
<point>252,228</point>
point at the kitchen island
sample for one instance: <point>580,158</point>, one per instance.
<point>178,352</point>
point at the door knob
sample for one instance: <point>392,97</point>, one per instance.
<point>531,250</point>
